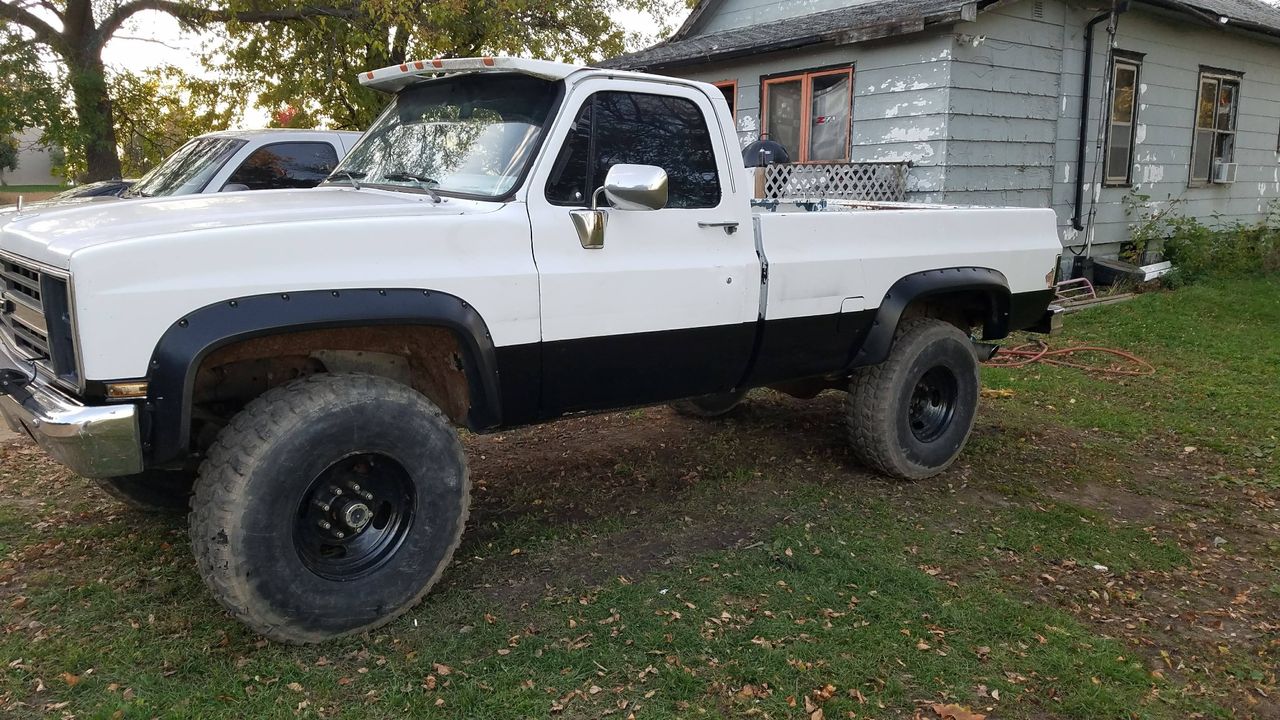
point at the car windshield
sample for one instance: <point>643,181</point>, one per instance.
<point>472,135</point>
<point>188,169</point>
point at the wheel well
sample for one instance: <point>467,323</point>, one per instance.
<point>430,359</point>
<point>966,309</point>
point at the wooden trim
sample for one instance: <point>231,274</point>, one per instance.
<point>733,109</point>
<point>806,109</point>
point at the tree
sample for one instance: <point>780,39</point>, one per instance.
<point>8,156</point>
<point>299,51</point>
<point>159,110</point>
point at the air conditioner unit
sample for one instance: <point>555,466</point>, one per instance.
<point>1224,173</point>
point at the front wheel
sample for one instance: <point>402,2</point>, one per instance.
<point>911,415</point>
<point>329,506</point>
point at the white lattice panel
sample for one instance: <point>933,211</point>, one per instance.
<point>877,182</point>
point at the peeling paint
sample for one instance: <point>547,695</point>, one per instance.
<point>1152,173</point>
<point>909,134</point>
<point>1066,172</point>
<point>1142,88</point>
<point>1140,134</point>
<point>747,123</point>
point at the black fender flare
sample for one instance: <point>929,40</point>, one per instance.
<point>171,372</point>
<point>879,338</point>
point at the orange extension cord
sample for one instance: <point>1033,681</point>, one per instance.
<point>1039,352</point>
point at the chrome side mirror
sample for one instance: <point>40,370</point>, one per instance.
<point>636,187</point>
<point>628,187</point>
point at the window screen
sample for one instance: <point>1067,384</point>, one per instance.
<point>286,165</point>
<point>614,128</point>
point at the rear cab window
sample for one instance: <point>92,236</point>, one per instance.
<point>286,165</point>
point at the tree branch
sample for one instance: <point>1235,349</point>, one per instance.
<point>198,15</point>
<point>43,30</point>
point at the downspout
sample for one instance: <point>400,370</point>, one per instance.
<point>1120,6</point>
<point>1077,215</point>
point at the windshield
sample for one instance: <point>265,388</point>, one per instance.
<point>188,169</point>
<point>465,134</point>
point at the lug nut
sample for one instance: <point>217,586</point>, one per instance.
<point>324,524</point>
<point>335,489</point>
<point>321,504</point>
<point>355,487</point>
<point>339,534</point>
<point>366,495</point>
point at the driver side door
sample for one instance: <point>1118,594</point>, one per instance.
<point>667,308</point>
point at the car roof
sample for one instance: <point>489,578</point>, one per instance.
<point>280,134</point>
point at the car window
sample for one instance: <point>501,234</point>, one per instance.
<point>286,165</point>
<point>188,169</point>
<point>613,128</point>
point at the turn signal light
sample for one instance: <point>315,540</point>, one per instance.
<point>126,390</point>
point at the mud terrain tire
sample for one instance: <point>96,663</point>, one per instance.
<point>329,506</point>
<point>910,416</point>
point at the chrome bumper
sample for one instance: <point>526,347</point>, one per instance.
<point>95,442</point>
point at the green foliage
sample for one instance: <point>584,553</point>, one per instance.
<point>1199,251</point>
<point>311,66</point>
<point>8,155</point>
<point>160,109</point>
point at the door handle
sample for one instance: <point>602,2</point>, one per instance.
<point>730,226</point>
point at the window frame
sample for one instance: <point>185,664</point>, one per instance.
<point>706,113</point>
<point>268,146</point>
<point>732,87</point>
<point>1218,76</point>
<point>801,156</point>
<point>1119,59</point>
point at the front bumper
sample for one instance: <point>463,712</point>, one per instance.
<point>94,441</point>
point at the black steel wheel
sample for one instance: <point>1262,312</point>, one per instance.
<point>933,403</point>
<point>329,506</point>
<point>354,516</point>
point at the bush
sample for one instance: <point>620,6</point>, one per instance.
<point>1199,251</point>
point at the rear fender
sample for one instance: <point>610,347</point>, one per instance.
<point>991,283</point>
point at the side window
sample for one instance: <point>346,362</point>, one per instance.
<point>286,165</point>
<point>1215,138</point>
<point>614,128</point>
<point>1124,113</point>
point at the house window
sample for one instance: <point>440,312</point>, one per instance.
<point>1124,114</point>
<point>809,114</point>
<point>613,128</point>
<point>1215,138</point>
<point>729,88</point>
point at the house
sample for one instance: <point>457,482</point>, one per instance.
<point>984,99</point>
<point>35,164</point>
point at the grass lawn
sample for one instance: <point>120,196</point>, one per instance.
<point>1078,562</point>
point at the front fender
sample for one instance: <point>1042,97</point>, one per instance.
<point>189,340</point>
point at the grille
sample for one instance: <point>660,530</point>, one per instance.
<point>880,182</point>
<point>23,309</point>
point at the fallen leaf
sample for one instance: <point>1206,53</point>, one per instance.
<point>296,687</point>
<point>442,669</point>
<point>956,712</point>
<point>70,679</point>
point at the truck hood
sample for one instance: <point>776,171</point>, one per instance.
<point>52,234</point>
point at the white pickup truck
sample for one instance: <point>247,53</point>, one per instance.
<point>512,241</point>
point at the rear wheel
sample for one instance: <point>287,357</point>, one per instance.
<point>709,406</point>
<point>329,506</point>
<point>911,415</point>
<point>164,491</point>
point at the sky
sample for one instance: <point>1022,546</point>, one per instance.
<point>151,39</point>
